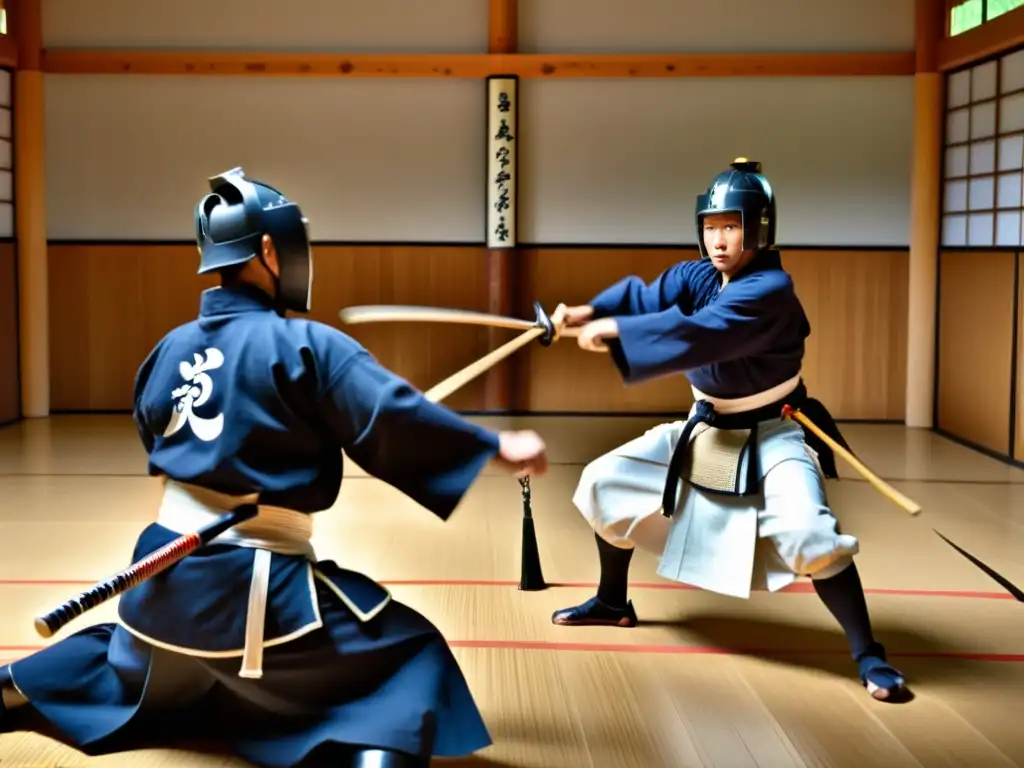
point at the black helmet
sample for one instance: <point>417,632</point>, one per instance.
<point>743,190</point>
<point>230,224</point>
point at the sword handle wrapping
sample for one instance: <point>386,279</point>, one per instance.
<point>155,562</point>
<point>49,624</point>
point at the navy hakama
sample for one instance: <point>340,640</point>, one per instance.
<point>252,641</point>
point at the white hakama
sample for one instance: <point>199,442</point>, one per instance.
<point>726,544</point>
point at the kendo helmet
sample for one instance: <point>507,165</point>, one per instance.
<point>744,190</point>
<point>231,222</point>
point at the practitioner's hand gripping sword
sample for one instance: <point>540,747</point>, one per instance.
<point>542,328</point>
<point>531,575</point>
<point>156,562</point>
<point>160,560</point>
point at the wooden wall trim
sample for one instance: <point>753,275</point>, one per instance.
<point>29,117</point>
<point>1018,447</point>
<point>503,263</point>
<point>925,216</point>
<point>10,386</point>
<point>930,24</point>
<point>503,26</point>
<point>26,23</point>
<point>8,52</point>
<point>476,65</point>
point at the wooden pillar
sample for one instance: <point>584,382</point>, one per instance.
<point>30,211</point>
<point>925,214</point>
<point>501,254</point>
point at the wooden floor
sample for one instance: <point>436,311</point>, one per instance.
<point>705,681</point>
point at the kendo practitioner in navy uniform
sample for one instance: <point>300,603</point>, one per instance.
<point>733,498</point>
<point>250,640</point>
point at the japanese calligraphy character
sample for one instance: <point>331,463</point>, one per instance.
<point>501,231</point>
<point>502,157</point>
<point>503,131</point>
<point>194,394</point>
<point>502,177</point>
<point>503,103</point>
<point>502,203</point>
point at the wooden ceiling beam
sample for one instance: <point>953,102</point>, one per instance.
<point>476,65</point>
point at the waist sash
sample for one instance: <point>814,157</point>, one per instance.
<point>274,530</point>
<point>723,430</point>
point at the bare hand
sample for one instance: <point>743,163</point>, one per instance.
<point>573,316</point>
<point>594,335</point>
<point>522,453</point>
<point>570,317</point>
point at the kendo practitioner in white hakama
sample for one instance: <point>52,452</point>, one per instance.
<point>251,642</point>
<point>733,498</point>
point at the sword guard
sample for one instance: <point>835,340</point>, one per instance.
<point>543,321</point>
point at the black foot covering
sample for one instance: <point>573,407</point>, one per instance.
<point>883,682</point>
<point>596,613</point>
<point>385,758</point>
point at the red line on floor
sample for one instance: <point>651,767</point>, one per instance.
<point>801,587</point>
<point>672,650</point>
<point>712,650</point>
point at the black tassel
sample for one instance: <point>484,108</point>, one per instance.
<point>531,577</point>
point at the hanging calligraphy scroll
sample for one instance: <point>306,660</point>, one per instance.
<point>502,142</point>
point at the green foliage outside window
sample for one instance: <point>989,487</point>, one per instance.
<point>974,13</point>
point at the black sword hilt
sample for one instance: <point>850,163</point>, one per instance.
<point>544,321</point>
<point>144,569</point>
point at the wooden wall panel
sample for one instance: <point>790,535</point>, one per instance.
<point>856,354</point>
<point>856,302</point>
<point>113,303</point>
<point>110,304</point>
<point>975,344</point>
<point>1018,449</point>
<point>10,398</point>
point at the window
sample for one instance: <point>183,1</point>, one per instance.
<point>965,16</point>
<point>983,167</point>
<point>968,14</point>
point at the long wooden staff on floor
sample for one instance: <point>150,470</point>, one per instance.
<point>156,562</point>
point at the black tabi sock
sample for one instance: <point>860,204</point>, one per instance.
<point>614,573</point>
<point>843,595</point>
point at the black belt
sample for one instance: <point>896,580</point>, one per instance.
<point>705,413</point>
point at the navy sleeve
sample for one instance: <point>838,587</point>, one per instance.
<point>742,322</point>
<point>138,413</point>
<point>631,296</point>
<point>385,425</point>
